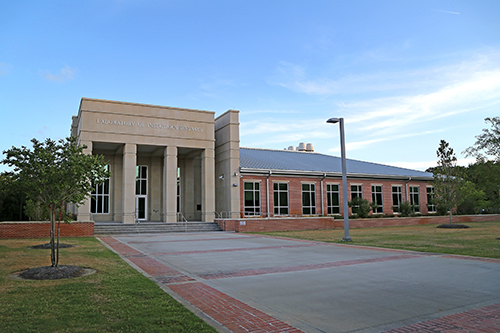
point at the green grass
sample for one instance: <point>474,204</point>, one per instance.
<point>115,299</point>
<point>480,240</point>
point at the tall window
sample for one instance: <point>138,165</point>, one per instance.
<point>252,198</point>
<point>356,192</point>
<point>141,180</point>
<point>308,199</point>
<point>431,207</point>
<point>377,198</point>
<point>397,198</point>
<point>99,203</point>
<point>414,198</point>
<point>280,198</point>
<point>333,199</point>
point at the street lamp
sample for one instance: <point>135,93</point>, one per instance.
<point>344,176</point>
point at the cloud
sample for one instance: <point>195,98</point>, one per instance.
<point>481,89</point>
<point>65,74</point>
<point>447,11</point>
<point>296,78</point>
<point>428,164</point>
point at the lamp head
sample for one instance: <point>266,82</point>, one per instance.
<point>333,120</point>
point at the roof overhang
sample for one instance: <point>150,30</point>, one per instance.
<point>297,173</point>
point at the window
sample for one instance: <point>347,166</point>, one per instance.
<point>414,198</point>
<point>280,198</point>
<point>308,199</point>
<point>356,192</point>
<point>377,199</point>
<point>99,203</point>
<point>397,198</point>
<point>430,200</point>
<point>141,180</point>
<point>333,199</point>
<point>252,198</point>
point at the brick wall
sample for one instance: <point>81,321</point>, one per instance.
<point>318,223</point>
<point>42,229</point>
<point>295,192</point>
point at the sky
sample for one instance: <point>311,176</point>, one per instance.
<point>403,74</point>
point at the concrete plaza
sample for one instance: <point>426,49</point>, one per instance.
<point>251,283</point>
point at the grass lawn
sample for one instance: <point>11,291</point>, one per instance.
<point>482,239</point>
<point>115,299</point>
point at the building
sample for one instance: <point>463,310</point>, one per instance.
<point>173,164</point>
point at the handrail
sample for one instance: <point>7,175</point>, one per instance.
<point>181,218</point>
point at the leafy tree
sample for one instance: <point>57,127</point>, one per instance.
<point>486,176</point>
<point>12,199</point>
<point>447,179</point>
<point>488,142</point>
<point>55,173</point>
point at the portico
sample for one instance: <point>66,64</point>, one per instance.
<point>162,162</point>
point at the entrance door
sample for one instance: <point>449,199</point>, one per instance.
<point>141,204</point>
<point>141,193</point>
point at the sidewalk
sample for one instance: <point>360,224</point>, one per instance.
<point>248,283</point>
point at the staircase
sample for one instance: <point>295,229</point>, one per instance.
<point>116,228</point>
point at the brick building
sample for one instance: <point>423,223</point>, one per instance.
<point>305,183</point>
<point>173,164</point>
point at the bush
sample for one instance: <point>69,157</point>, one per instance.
<point>361,207</point>
<point>406,209</point>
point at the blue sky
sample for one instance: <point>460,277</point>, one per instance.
<point>403,74</point>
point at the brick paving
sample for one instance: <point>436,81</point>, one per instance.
<point>262,271</point>
<point>231,250</point>
<point>483,320</point>
<point>228,311</point>
<point>240,317</point>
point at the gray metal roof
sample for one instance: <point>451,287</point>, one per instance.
<point>254,159</point>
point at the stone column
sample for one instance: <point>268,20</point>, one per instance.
<point>208,185</point>
<point>128,180</point>
<point>83,210</point>
<point>170,185</point>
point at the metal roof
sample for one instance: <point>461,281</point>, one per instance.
<point>256,159</point>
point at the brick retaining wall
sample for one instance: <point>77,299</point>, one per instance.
<point>315,223</point>
<point>42,229</point>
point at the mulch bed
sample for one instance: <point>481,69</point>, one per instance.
<point>47,246</point>
<point>55,273</point>
<point>453,226</point>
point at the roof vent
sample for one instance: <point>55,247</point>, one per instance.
<point>301,147</point>
<point>309,148</point>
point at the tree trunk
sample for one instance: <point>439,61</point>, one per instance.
<point>52,237</point>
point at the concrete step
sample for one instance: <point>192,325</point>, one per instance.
<point>145,227</point>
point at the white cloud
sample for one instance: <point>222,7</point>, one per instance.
<point>447,12</point>
<point>65,74</point>
<point>428,164</point>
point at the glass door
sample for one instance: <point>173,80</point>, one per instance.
<point>141,193</point>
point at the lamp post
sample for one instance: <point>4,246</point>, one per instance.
<point>344,176</point>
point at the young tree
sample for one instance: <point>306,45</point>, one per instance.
<point>55,173</point>
<point>488,142</point>
<point>447,180</point>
